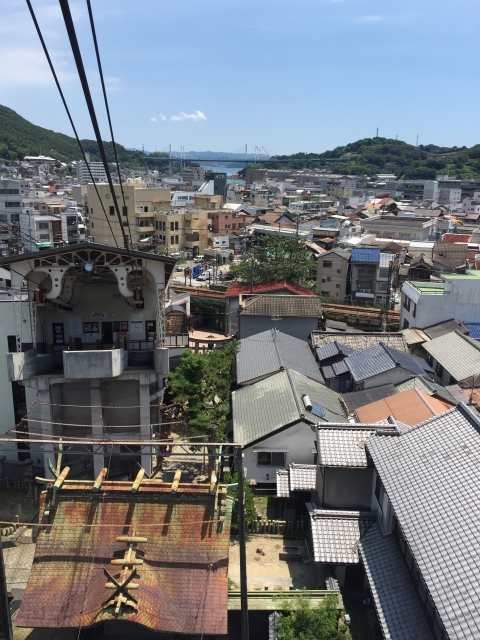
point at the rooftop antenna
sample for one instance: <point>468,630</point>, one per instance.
<point>417,141</point>
<point>377,133</point>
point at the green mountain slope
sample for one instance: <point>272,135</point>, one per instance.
<point>385,155</point>
<point>19,138</point>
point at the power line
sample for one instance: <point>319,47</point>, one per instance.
<point>52,69</point>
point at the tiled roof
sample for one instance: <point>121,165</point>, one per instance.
<point>381,358</point>
<point>432,478</point>
<point>264,407</point>
<point>442,328</point>
<point>398,609</point>
<point>359,341</point>
<point>183,558</point>
<point>268,305</point>
<point>332,349</point>
<point>238,288</point>
<point>265,353</point>
<point>336,534</point>
<point>328,372</point>
<point>456,353</point>
<point>410,407</point>
<point>451,238</point>
<point>474,328</point>
<point>340,367</point>
<point>357,399</point>
<point>343,447</point>
<point>364,254</point>
<point>298,477</point>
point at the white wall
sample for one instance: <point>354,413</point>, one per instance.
<point>298,440</point>
<point>394,376</point>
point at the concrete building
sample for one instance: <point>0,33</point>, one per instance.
<point>333,275</point>
<point>430,190</point>
<point>138,215</point>
<point>10,210</point>
<point>412,189</point>
<point>401,227</point>
<point>472,205</point>
<point>426,303</point>
<point>449,197</point>
<point>193,173</point>
<point>364,263</point>
<point>89,344</point>
<point>88,170</point>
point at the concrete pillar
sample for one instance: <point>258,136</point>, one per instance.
<point>45,427</point>
<point>145,426</point>
<point>97,422</point>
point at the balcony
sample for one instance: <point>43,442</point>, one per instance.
<point>94,364</point>
<point>145,228</point>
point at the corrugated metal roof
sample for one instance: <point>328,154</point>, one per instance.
<point>184,559</point>
<point>359,341</point>
<point>268,305</point>
<point>364,254</point>
<point>442,328</point>
<point>432,478</point>
<point>457,354</point>
<point>264,407</point>
<point>340,367</point>
<point>399,612</point>
<point>335,534</point>
<point>265,353</point>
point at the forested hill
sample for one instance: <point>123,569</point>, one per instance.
<point>19,138</point>
<point>385,155</point>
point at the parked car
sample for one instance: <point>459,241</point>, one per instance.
<point>227,277</point>
<point>204,276</point>
<point>199,258</point>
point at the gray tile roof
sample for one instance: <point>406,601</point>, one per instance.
<point>381,358</point>
<point>268,352</point>
<point>442,328</point>
<point>298,477</point>
<point>398,608</point>
<point>340,367</point>
<point>357,399</point>
<point>332,349</point>
<point>328,372</point>
<point>336,534</point>
<point>359,341</point>
<point>273,305</point>
<point>343,447</point>
<point>266,406</point>
<point>457,353</point>
<point>431,474</point>
<point>432,388</point>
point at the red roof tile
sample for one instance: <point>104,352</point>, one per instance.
<point>266,287</point>
<point>452,238</point>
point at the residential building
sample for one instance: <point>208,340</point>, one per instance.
<point>138,214</point>
<point>386,275</point>
<point>364,264</point>
<point>430,190</point>
<point>412,189</point>
<point>193,173</point>
<point>227,222</point>
<point>426,303</point>
<point>472,205</point>
<point>236,291</point>
<point>333,275</point>
<point>86,171</point>
<point>265,354</point>
<point>10,211</point>
<point>455,358</point>
<point>274,422</point>
<point>449,197</point>
<point>297,315</point>
<point>91,346</point>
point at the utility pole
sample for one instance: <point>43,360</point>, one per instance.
<point>417,141</point>
<point>6,631</point>
<point>243,550</point>
<point>377,133</point>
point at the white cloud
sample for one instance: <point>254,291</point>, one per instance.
<point>162,117</point>
<point>153,119</point>
<point>196,116</point>
<point>369,19</point>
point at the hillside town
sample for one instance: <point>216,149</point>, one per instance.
<point>332,396</point>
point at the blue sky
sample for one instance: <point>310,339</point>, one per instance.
<point>303,75</point>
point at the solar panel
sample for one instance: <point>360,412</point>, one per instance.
<point>318,411</point>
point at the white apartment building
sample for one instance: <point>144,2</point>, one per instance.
<point>96,168</point>
<point>472,205</point>
<point>449,197</point>
<point>10,210</point>
<point>427,303</point>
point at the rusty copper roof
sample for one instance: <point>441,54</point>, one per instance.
<point>151,557</point>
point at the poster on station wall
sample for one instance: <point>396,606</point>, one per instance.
<point>98,315</point>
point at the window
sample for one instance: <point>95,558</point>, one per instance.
<point>329,279</point>
<point>339,271</point>
<point>111,210</point>
<point>381,286</point>
<point>145,209</point>
<point>15,217</point>
<point>326,294</point>
<point>44,236</point>
<point>140,209</point>
<point>383,273</point>
<point>164,226</point>
<point>91,211</point>
<point>338,287</point>
<point>43,225</point>
<point>5,192</point>
<point>3,217</point>
<point>92,224</point>
<point>172,226</point>
<point>176,239</point>
<point>366,271</point>
<point>176,225</point>
<point>324,280</point>
<point>414,310</point>
<point>406,324</point>
<point>234,226</point>
<point>327,264</point>
<point>406,303</point>
<point>125,224</point>
<point>125,211</point>
<point>271,459</point>
<point>15,205</point>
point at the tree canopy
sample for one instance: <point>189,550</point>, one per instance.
<point>201,384</point>
<point>276,258</point>
<point>302,622</point>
